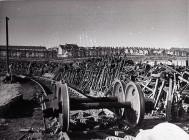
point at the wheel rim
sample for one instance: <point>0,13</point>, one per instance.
<point>64,107</point>
<point>134,95</point>
<point>118,91</point>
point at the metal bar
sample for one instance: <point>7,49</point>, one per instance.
<point>155,89</point>
<point>65,136</point>
<point>100,105</point>
<point>173,70</point>
<point>44,121</point>
<point>93,99</point>
<point>146,86</point>
<point>169,99</point>
<point>159,93</point>
<point>183,88</point>
<point>182,79</point>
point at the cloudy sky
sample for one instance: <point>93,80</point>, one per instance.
<point>150,23</point>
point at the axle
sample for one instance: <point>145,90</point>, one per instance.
<point>74,100</point>
<point>101,105</point>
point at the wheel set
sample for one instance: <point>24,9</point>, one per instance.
<point>125,100</point>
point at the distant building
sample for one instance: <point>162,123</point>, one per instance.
<point>68,50</point>
<point>53,52</point>
<point>27,52</point>
<point>73,50</point>
<point>180,51</point>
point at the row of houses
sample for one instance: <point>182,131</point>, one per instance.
<point>75,51</point>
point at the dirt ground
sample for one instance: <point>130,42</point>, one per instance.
<point>27,113</point>
<point>8,92</point>
<point>24,114</point>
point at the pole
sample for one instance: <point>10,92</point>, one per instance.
<point>7,43</point>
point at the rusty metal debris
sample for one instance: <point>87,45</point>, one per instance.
<point>118,91</point>
<point>166,89</point>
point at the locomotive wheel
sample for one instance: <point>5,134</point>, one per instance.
<point>119,92</point>
<point>64,107</point>
<point>135,96</point>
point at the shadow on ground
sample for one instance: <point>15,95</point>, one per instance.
<point>23,108</point>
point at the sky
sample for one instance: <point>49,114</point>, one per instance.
<point>142,23</point>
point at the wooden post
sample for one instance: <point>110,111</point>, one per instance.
<point>7,43</point>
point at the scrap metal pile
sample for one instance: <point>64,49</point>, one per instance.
<point>98,86</point>
<point>113,90</point>
<point>96,74</point>
<point>165,88</point>
<point>166,91</point>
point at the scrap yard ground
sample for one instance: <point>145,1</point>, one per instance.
<point>28,114</point>
<point>22,114</point>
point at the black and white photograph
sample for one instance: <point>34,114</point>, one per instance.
<point>94,69</point>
